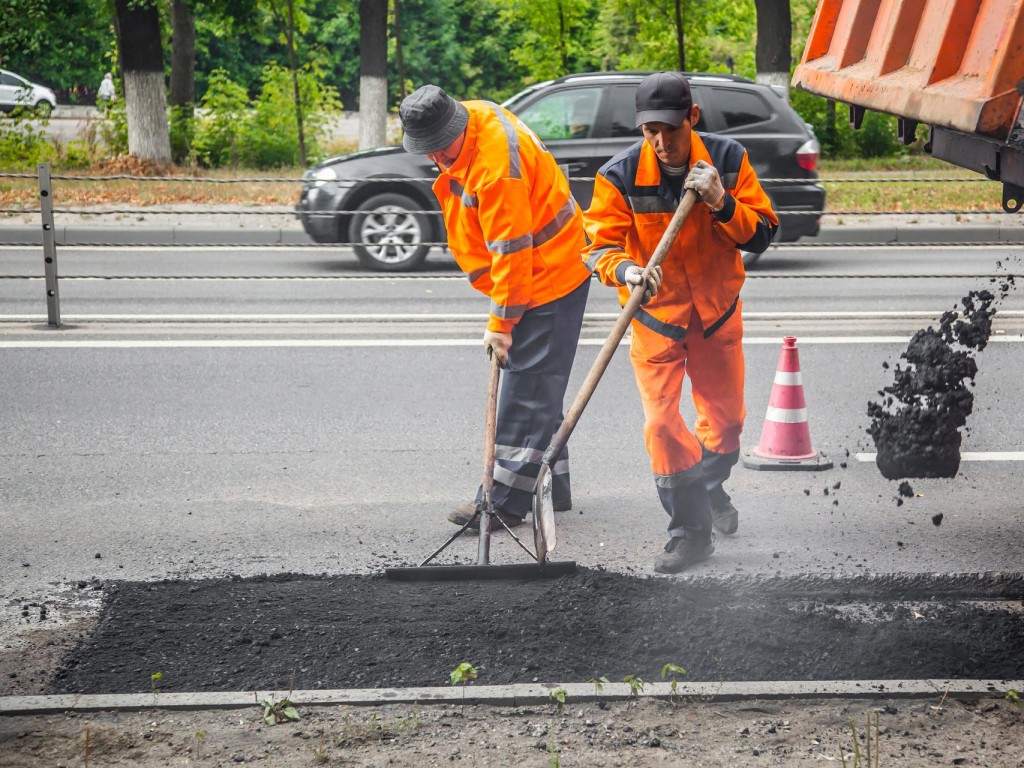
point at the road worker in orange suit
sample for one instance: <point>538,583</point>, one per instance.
<point>692,323</point>
<point>516,231</point>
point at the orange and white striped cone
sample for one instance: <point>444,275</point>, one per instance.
<point>786,437</point>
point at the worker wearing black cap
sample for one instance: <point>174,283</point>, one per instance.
<point>692,325</point>
<point>516,231</point>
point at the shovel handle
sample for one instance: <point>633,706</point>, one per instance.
<point>483,553</point>
<point>604,357</point>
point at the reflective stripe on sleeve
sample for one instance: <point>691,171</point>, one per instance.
<point>515,245</point>
<point>597,253</point>
<point>507,313</point>
<point>514,170</point>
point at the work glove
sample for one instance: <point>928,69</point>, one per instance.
<point>500,343</point>
<point>705,181</point>
<point>635,275</point>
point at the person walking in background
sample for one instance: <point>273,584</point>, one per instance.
<point>692,324</point>
<point>516,231</point>
<point>106,93</point>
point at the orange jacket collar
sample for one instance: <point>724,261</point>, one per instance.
<point>648,172</point>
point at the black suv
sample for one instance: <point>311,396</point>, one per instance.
<point>380,200</point>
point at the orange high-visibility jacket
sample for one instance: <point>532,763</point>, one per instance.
<point>513,225</point>
<point>631,209</point>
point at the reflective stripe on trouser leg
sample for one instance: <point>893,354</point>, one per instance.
<point>530,404</point>
<point>685,497</point>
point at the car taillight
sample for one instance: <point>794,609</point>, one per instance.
<point>807,155</point>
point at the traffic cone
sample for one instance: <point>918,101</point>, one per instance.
<point>785,437</point>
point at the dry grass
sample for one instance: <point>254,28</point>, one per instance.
<point>901,191</point>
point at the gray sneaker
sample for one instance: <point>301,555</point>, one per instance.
<point>725,518</point>
<point>682,552</point>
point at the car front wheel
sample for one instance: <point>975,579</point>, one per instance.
<point>387,236</point>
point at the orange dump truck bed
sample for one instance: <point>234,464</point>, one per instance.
<point>955,65</point>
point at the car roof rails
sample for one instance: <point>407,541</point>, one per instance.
<point>644,73</point>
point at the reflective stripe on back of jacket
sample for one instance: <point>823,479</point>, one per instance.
<point>631,209</point>
<point>513,225</point>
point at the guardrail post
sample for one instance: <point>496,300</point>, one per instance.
<point>49,246</point>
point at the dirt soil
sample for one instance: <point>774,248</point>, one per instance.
<point>307,632</point>
<point>645,732</point>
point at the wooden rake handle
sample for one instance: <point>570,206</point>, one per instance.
<point>604,357</point>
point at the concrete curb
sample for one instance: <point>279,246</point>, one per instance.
<point>519,695</point>
<point>192,236</point>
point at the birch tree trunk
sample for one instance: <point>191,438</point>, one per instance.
<point>145,94</point>
<point>373,81</point>
<point>774,38</point>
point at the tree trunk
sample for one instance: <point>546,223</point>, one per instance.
<point>299,118</point>
<point>183,55</point>
<point>774,38</point>
<point>145,94</point>
<point>373,80</point>
<point>679,36</point>
<point>398,51</point>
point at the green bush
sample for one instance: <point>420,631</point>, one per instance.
<point>875,138</point>
<point>23,143</point>
<point>114,129</point>
<point>182,131</point>
<point>270,135</point>
<point>222,111</point>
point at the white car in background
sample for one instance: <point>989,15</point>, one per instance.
<point>16,91</point>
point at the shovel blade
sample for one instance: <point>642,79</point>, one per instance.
<point>544,537</point>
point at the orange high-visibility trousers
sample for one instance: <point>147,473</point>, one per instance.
<point>716,370</point>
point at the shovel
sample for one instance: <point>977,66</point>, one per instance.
<point>544,536</point>
<point>539,568</point>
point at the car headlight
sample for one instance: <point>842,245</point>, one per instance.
<point>322,176</point>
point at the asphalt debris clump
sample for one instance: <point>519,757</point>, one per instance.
<point>916,424</point>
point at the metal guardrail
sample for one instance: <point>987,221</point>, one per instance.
<point>46,211</point>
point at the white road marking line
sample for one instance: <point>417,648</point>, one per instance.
<point>447,316</point>
<point>965,456</point>
<point>381,343</point>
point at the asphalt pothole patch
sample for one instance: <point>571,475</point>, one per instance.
<point>325,632</point>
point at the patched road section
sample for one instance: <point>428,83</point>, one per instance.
<point>307,632</point>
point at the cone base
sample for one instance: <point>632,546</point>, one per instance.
<point>753,460</point>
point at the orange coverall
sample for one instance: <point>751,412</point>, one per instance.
<point>693,325</point>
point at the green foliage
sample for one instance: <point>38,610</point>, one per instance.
<point>182,132</point>
<point>599,683</point>
<point>223,110</point>
<point>636,685</point>
<point>677,673</point>
<point>556,38</point>
<point>231,130</point>
<point>114,128</point>
<point>1013,697</point>
<point>270,135</point>
<point>275,712</point>
<point>462,673</point>
<point>558,697</point>
<point>154,681</point>
<point>23,143</point>
<point>831,124</point>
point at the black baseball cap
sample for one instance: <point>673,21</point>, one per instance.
<point>663,97</point>
<point>431,120</point>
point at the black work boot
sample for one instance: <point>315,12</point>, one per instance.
<point>682,552</point>
<point>725,518</point>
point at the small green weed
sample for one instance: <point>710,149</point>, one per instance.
<point>636,685</point>
<point>677,674</point>
<point>599,683</point>
<point>154,681</point>
<point>1013,697</point>
<point>275,711</point>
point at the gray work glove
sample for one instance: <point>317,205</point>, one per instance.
<point>501,343</point>
<point>635,275</point>
<point>706,182</point>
